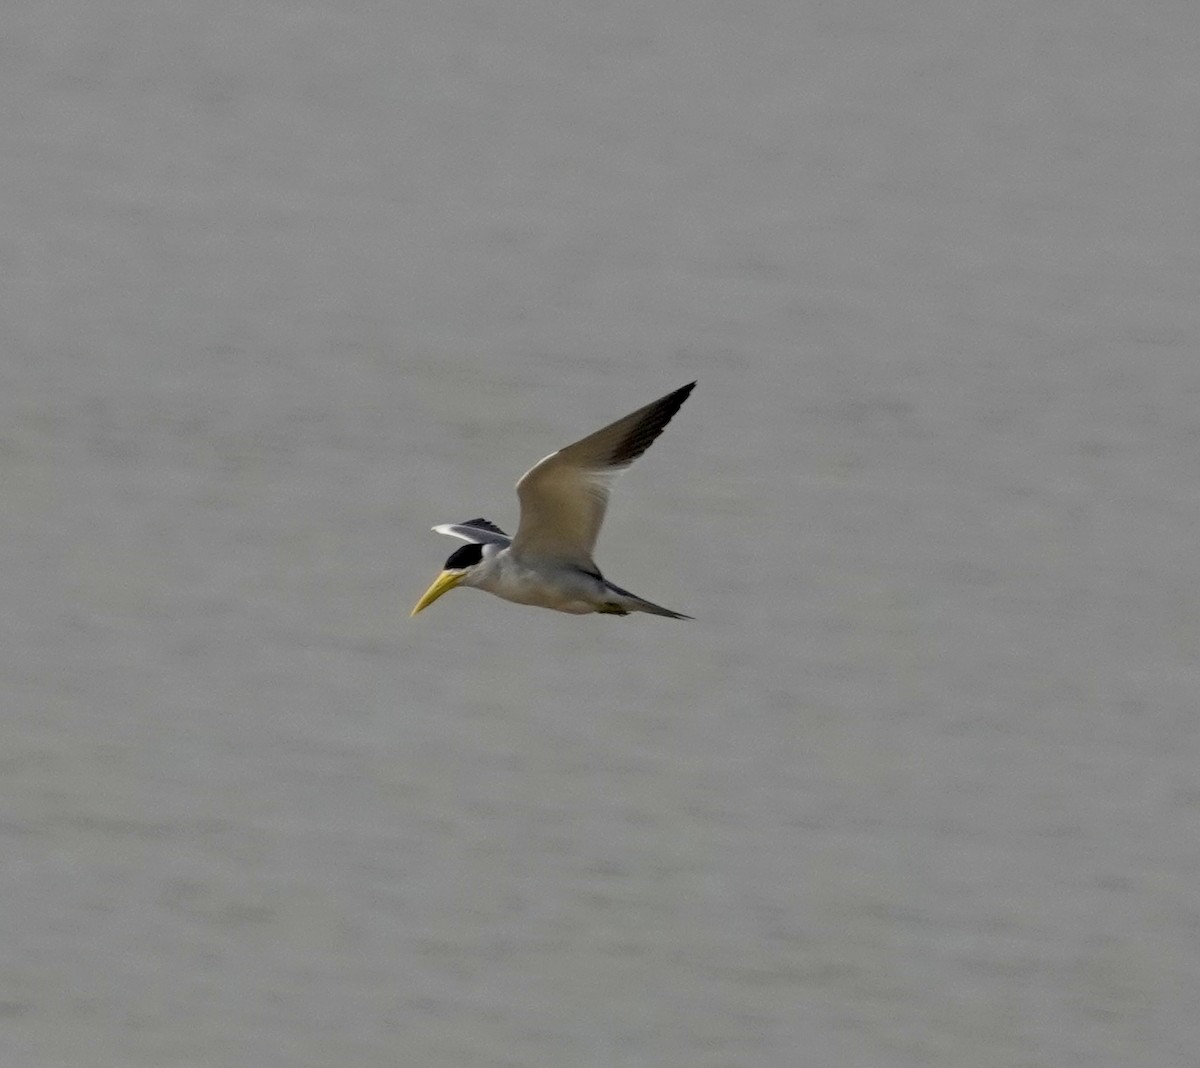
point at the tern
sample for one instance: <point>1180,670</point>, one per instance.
<point>548,562</point>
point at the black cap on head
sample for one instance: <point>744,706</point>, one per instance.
<point>467,556</point>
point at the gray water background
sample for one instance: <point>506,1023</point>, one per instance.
<point>287,283</point>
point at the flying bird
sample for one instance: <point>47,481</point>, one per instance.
<point>549,562</point>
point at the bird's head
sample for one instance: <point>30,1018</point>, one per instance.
<point>457,572</point>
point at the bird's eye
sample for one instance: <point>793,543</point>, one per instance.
<point>468,556</point>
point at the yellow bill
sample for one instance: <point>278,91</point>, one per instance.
<point>445,582</point>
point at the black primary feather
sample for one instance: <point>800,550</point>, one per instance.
<point>484,524</point>
<point>654,418</point>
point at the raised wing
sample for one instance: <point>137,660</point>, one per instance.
<point>480,531</point>
<point>564,496</point>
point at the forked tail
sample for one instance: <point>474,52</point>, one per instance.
<point>630,602</point>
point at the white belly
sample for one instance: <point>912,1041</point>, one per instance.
<point>561,589</point>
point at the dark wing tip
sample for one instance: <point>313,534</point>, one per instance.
<point>654,419</point>
<point>483,524</point>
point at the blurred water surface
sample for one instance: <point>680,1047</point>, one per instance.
<point>286,284</point>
